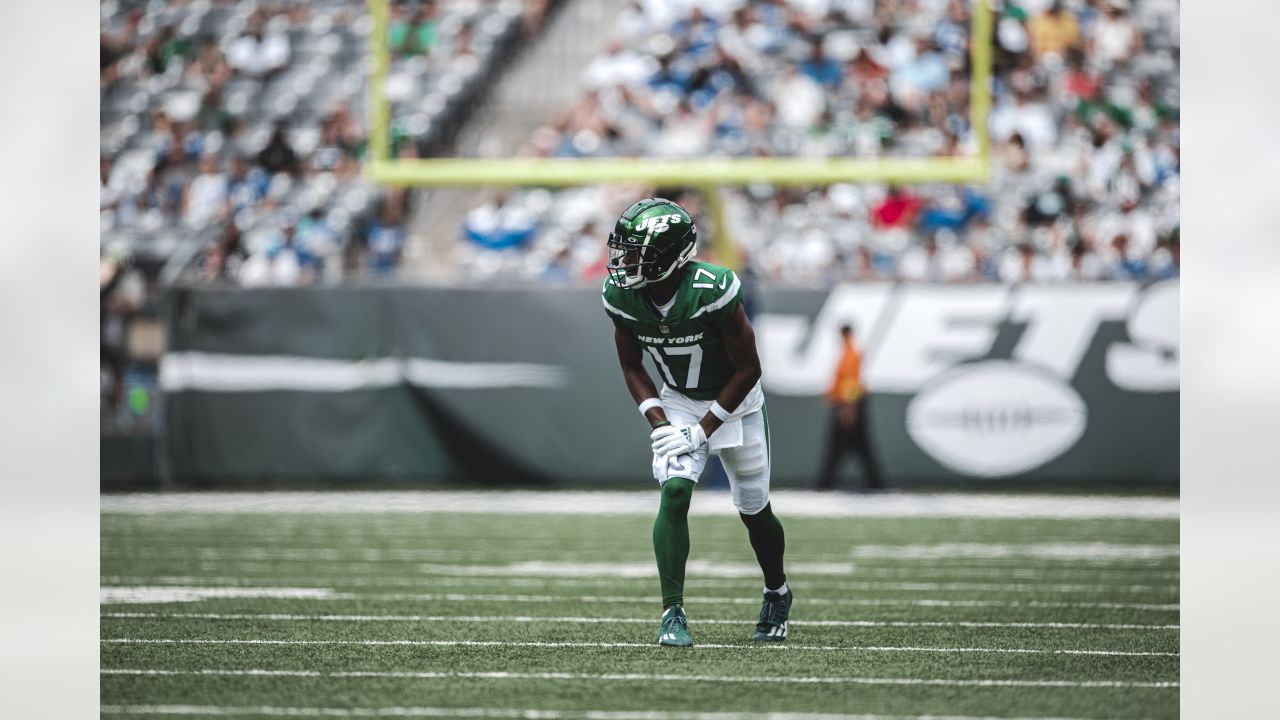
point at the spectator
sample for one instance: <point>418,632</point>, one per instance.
<point>850,425</point>
<point>498,225</point>
<point>278,156</point>
<point>1079,83</point>
<point>246,185</point>
<point>1124,264</point>
<point>206,196</point>
<point>926,73</point>
<point>417,35</point>
<point>1085,264</point>
<point>617,66</point>
<point>799,99</point>
<point>164,48</point>
<point>1115,38</point>
<point>383,242</point>
<point>1053,32</point>
<point>1166,262</point>
<point>319,246</point>
<point>686,133</point>
<point>1023,264</point>
<point>922,263</point>
<point>210,68</point>
<point>899,209</point>
<point>820,68</point>
<point>257,54</point>
<point>1027,116</point>
<point>212,115</point>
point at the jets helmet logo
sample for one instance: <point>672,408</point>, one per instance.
<point>657,224</point>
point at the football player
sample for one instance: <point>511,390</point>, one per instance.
<point>687,317</point>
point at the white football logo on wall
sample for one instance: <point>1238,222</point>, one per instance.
<point>996,418</point>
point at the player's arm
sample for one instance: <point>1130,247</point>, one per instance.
<point>740,346</point>
<point>640,385</point>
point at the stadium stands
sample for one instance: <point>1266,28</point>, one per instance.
<point>236,128</point>
<point>231,138</point>
<point>1084,127</point>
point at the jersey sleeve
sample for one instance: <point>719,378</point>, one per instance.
<point>608,296</point>
<point>721,302</point>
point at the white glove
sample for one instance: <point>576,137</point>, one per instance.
<point>670,440</point>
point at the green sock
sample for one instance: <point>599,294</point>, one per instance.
<point>769,542</point>
<point>671,538</point>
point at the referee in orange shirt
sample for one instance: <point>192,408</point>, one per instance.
<point>849,426</point>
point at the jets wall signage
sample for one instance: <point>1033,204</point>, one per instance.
<point>1034,383</point>
<point>989,373</point>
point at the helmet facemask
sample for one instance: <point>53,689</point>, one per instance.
<point>633,264</point>
<point>650,248</point>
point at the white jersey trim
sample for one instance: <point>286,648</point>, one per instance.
<point>615,310</point>
<point>723,300</point>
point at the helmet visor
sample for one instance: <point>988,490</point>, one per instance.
<point>626,261</point>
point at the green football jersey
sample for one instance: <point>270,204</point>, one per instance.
<point>687,345</point>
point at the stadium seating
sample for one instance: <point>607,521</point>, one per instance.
<point>214,140</point>
<point>231,137</point>
<point>1084,125</point>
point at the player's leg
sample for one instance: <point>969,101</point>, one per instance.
<point>748,470</point>
<point>671,538</point>
<point>862,446</point>
<point>676,477</point>
<point>835,449</point>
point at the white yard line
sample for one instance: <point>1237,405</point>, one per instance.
<point>512,713</point>
<point>794,503</point>
<point>284,617</point>
<point>357,579</point>
<point>710,576</point>
<point>128,593</point>
<point>110,594</point>
<point>373,558</point>
<point>1041,551</point>
<point>646,677</point>
<point>702,646</point>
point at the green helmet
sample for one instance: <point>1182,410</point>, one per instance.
<point>652,238</point>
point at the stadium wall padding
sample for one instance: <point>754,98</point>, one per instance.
<point>1064,383</point>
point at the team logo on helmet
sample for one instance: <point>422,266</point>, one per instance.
<point>651,239</point>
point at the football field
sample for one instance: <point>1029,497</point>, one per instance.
<point>544,605</point>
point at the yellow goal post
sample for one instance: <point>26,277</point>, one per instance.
<point>708,174</point>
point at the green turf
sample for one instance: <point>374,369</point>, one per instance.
<point>411,566</point>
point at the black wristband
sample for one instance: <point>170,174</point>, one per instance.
<point>661,423</point>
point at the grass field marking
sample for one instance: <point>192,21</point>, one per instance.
<point>571,571</point>
<point>108,594</point>
<point>1043,551</point>
<point>646,677</point>
<point>794,503</point>
<point>860,568</point>
<point>518,714</point>
<point>726,574</point>
<point>703,646</point>
<point>648,599</point>
<point>412,580</point>
<point>625,620</point>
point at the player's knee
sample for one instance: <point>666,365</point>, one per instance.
<point>750,499</point>
<point>677,493</point>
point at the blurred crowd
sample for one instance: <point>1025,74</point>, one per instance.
<point>232,136</point>
<point>1084,130</point>
<point>231,139</point>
